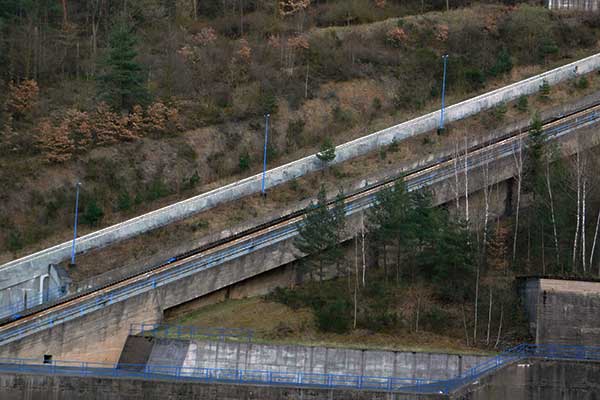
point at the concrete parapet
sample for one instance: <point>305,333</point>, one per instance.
<point>284,173</point>
<point>15,386</point>
<point>297,358</point>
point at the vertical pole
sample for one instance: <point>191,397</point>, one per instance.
<point>267,116</point>
<point>445,58</point>
<point>75,223</point>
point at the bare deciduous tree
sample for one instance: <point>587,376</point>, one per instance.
<point>552,213</point>
<point>518,156</point>
<point>578,214</point>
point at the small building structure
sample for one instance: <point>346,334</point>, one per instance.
<point>562,311</point>
<point>25,288</point>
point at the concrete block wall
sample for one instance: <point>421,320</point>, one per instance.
<point>536,379</point>
<point>308,359</point>
<point>20,289</point>
<point>563,311</point>
<point>17,386</point>
<point>284,173</point>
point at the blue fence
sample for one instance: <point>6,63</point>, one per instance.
<point>14,310</point>
<point>524,351</point>
<point>275,378</point>
<point>191,332</point>
<point>301,379</point>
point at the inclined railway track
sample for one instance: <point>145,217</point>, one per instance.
<point>269,233</point>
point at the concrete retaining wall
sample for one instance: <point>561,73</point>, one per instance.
<point>17,293</point>
<point>537,380</point>
<point>100,335</point>
<point>41,387</point>
<point>296,358</point>
<point>32,264</point>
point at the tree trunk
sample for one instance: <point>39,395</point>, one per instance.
<point>464,314</point>
<point>583,212</point>
<point>171,6</point>
<point>355,280</point>
<point>194,9</point>
<point>500,325</point>
<point>519,166</point>
<point>476,305</point>
<point>306,82</point>
<point>418,311</point>
<point>466,181</point>
<point>552,214</point>
<point>65,15</point>
<point>594,243</point>
<point>456,185</point>
<point>577,226</point>
<point>486,215</point>
<point>242,18</point>
<point>487,341</point>
<point>385,264</point>
<point>364,260</point>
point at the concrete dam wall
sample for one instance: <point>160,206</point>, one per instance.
<point>99,333</point>
<point>529,379</point>
<point>40,387</point>
<point>537,379</point>
<point>295,358</point>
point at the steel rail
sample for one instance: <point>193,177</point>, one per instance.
<point>268,234</point>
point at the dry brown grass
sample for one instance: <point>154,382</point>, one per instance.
<point>277,323</point>
<point>201,228</point>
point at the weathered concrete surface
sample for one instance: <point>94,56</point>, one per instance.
<point>563,311</point>
<point>41,387</point>
<point>537,380</point>
<point>296,358</point>
<point>442,150</point>
<point>284,173</point>
<point>99,336</point>
<point>20,291</point>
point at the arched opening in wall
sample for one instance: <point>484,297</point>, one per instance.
<point>44,288</point>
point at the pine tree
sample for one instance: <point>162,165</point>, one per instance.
<point>535,155</point>
<point>320,233</point>
<point>327,152</point>
<point>388,223</point>
<point>451,260</point>
<point>122,83</point>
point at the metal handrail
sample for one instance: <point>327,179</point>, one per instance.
<point>214,259</point>
<point>302,379</point>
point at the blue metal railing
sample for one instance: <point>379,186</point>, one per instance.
<point>13,310</point>
<point>302,379</point>
<point>524,351</point>
<point>191,332</point>
<point>210,260</point>
<point>222,375</point>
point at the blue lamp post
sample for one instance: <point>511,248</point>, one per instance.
<point>445,58</point>
<point>75,223</point>
<point>263,192</point>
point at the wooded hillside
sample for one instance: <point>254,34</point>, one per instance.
<point>150,101</point>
